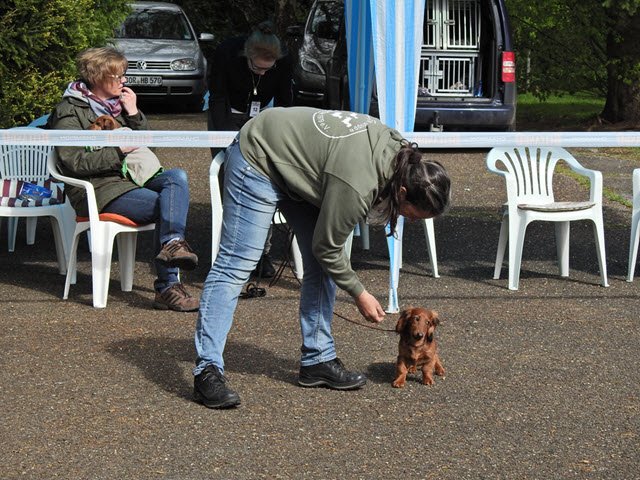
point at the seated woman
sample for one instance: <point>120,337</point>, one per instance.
<point>163,200</point>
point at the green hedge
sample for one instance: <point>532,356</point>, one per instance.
<point>39,41</point>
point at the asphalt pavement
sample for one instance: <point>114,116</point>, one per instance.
<point>541,383</point>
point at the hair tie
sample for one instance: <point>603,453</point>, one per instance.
<point>407,144</point>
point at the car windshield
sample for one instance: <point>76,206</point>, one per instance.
<point>326,20</point>
<point>155,24</point>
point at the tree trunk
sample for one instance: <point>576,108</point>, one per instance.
<point>623,68</point>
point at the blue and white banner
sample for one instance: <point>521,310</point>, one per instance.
<point>359,54</point>
<point>397,37</point>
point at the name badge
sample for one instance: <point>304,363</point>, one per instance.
<point>254,109</point>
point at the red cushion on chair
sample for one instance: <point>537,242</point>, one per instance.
<point>112,217</point>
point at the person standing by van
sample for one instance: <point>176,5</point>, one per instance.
<point>247,75</point>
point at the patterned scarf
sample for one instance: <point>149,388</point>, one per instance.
<point>79,90</point>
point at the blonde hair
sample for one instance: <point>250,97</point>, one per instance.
<point>263,43</point>
<point>96,64</point>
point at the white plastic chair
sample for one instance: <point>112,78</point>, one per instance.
<point>635,225</point>
<point>528,172</point>
<point>216,217</point>
<point>104,229</point>
<point>29,163</point>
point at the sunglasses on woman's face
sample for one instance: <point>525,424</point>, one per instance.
<point>260,69</point>
<point>119,78</point>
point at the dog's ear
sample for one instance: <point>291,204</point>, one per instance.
<point>402,320</point>
<point>435,318</point>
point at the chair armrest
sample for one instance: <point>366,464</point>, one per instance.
<point>52,166</point>
<point>594,176</point>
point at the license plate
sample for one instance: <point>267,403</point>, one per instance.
<point>146,81</point>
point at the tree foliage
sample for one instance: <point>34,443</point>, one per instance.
<point>39,41</point>
<point>580,45</point>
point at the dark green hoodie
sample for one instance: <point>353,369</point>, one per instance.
<point>337,161</point>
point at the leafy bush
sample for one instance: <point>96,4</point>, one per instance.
<point>39,41</point>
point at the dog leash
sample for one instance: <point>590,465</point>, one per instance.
<point>364,324</point>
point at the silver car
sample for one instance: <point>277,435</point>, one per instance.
<point>165,59</point>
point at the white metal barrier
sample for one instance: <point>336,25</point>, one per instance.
<point>172,138</point>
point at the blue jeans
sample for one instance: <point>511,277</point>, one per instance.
<point>250,200</point>
<point>164,200</point>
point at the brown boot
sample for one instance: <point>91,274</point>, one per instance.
<point>176,298</point>
<point>178,253</point>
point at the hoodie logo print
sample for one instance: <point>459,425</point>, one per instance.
<point>338,124</point>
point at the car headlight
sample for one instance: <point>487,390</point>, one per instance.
<point>311,65</point>
<point>183,64</point>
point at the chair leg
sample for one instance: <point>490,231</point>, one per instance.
<point>633,245</point>
<point>32,223</point>
<point>517,232</point>
<point>348,245</point>
<point>598,233</point>
<point>502,245</point>
<point>364,235</point>
<point>72,265</point>
<point>562,247</point>
<point>12,230</point>
<point>297,259</point>
<point>101,253</point>
<point>430,237</point>
<point>127,243</point>
<point>59,240</point>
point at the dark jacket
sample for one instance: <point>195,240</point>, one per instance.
<point>231,85</point>
<point>102,166</point>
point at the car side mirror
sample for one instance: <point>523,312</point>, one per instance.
<point>206,37</point>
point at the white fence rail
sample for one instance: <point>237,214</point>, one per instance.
<point>172,138</point>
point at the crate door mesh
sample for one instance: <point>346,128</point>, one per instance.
<point>461,25</point>
<point>432,37</point>
<point>450,50</point>
<point>448,75</point>
<point>452,24</point>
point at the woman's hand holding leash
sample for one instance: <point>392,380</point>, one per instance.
<point>369,307</point>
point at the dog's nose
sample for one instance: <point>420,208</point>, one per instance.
<point>418,336</point>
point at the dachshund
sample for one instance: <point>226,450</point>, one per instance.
<point>104,122</point>
<point>417,347</point>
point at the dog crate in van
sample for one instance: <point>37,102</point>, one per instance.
<point>467,68</point>
<point>451,48</point>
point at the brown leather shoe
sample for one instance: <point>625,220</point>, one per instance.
<point>176,298</point>
<point>178,253</point>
